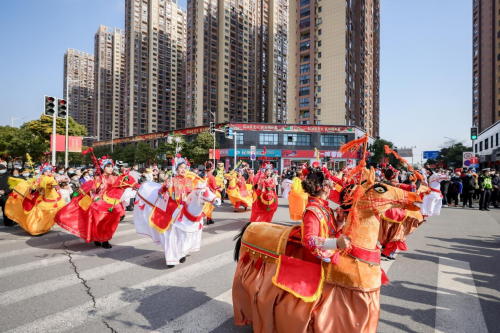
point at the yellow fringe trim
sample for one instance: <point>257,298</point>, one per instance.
<point>392,221</point>
<point>307,299</point>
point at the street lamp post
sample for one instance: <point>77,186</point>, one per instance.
<point>14,119</point>
<point>66,149</point>
<point>112,136</point>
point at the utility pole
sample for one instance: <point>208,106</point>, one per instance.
<point>14,119</point>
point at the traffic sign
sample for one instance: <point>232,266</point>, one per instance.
<point>253,157</point>
<point>230,133</point>
<point>432,154</point>
<point>469,160</point>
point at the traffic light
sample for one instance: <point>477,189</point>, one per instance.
<point>473,133</point>
<point>50,106</point>
<point>226,132</point>
<point>62,108</point>
<point>212,127</point>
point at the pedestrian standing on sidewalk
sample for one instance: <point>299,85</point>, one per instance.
<point>485,186</point>
<point>4,194</point>
<point>469,186</point>
<point>445,184</point>
<point>455,189</point>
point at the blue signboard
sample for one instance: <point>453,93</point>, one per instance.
<point>230,134</point>
<point>248,152</point>
<point>433,154</point>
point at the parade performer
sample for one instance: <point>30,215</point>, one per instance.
<point>267,199</point>
<point>172,213</point>
<point>237,190</point>
<point>286,184</point>
<point>305,279</point>
<point>297,200</point>
<point>221,181</point>
<point>214,187</point>
<point>95,212</point>
<point>433,201</point>
<point>34,203</point>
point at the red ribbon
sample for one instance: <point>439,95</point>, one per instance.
<point>189,216</point>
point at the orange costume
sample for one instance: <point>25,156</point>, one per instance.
<point>212,185</point>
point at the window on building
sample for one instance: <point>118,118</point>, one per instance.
<point>333,140</point>
<point>240,138</point>
<point>319,54</point>
<point>319,77</point>
<point>303,91</point>
<point>496,139</point>
<point>305,12</point>
<point>305,23</point>
<point>268,139</point>
<point>485,144</point>
<point>475,148</point>
<point>304,68</point>
<point>304,2</point>
<point>304,79</point>
<point>320,10</point>
<point>297,139</point>
<point>305,45</point>
<point>304,102</point>
<point>319,32</point>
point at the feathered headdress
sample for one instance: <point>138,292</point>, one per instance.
<point>103,161</point>
<point>209,165</point>
<point>46,167</point>
<point>94,159</point>
<point>178,160</point>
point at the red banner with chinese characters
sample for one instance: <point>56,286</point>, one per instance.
<point>74,143</point>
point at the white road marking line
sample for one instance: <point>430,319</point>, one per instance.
<point>81,314</point>
<point>56,245</point>
<point>204,318</point>
<point>457,306</point>
<point>41,288</point>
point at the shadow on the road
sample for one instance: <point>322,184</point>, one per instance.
<point>483,256</point>
<point>165,305</point>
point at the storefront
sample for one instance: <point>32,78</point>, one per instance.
<point>337,160</point>
<point>272,155</point>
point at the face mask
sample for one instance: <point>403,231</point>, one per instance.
<point>61,172</point>
<point>26,174</point>
<point>17,176</point>
<point>136,168</point>
<point>86,178</point>
<point>2,171</point>
<point>468,174</point>
<point>91,174</point>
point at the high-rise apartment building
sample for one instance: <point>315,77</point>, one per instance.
<point>236,61</point>
<point>111,118</point>
<point>155,51</point>
<point>334,63</point>
<point>79,78</point>
<point>486,63</point>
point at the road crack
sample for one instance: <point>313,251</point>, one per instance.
<point>85,285</point>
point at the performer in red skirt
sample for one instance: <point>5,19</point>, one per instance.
<point>265,206</point>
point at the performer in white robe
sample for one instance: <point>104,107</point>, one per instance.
<point>432,203</point>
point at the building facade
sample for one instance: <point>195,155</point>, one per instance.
<point>155,51</point>
<point>110,100</point>
<point>236,61</point>
<point>486,64</point>
<point>79,79</point>
<point>286,144</point>
<point>334,63</point>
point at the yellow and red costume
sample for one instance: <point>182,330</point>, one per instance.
<point>237,191</point>
<point>266,204</point>
<point>214,187</point>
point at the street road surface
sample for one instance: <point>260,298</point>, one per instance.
<point>447,281</point>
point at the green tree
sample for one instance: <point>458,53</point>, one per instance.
<point>199,148</point>
<point>117,154</point>
<point>145,153</point>
<point>43,127</point>
<point>16,142</point>
<point>451,154</point>
<point>378,151</point>
<point>129,153</point>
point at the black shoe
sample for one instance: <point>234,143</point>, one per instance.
<point>122,218</point>
<point>182,260</point>
<point>481,209</point>
<point>246,208</point>
<point>486,209</point>
<point>97,243</point>
<point>387,258</point>
<point>472,207</point>
<point>170,266</point>
<point>9,225</point>
<point>106,245</point>
<point>210,221</point>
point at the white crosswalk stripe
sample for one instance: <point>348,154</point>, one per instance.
<point>41,288</point>
<point>76,316</point>
<point>204,318</point>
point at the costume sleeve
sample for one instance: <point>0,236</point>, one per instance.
<point>312,239</point>
<point>407,187</point>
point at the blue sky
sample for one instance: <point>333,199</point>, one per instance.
<point>425,61</point>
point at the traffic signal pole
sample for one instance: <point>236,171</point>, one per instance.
<point>66,149</point>
<point>54,135</point>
